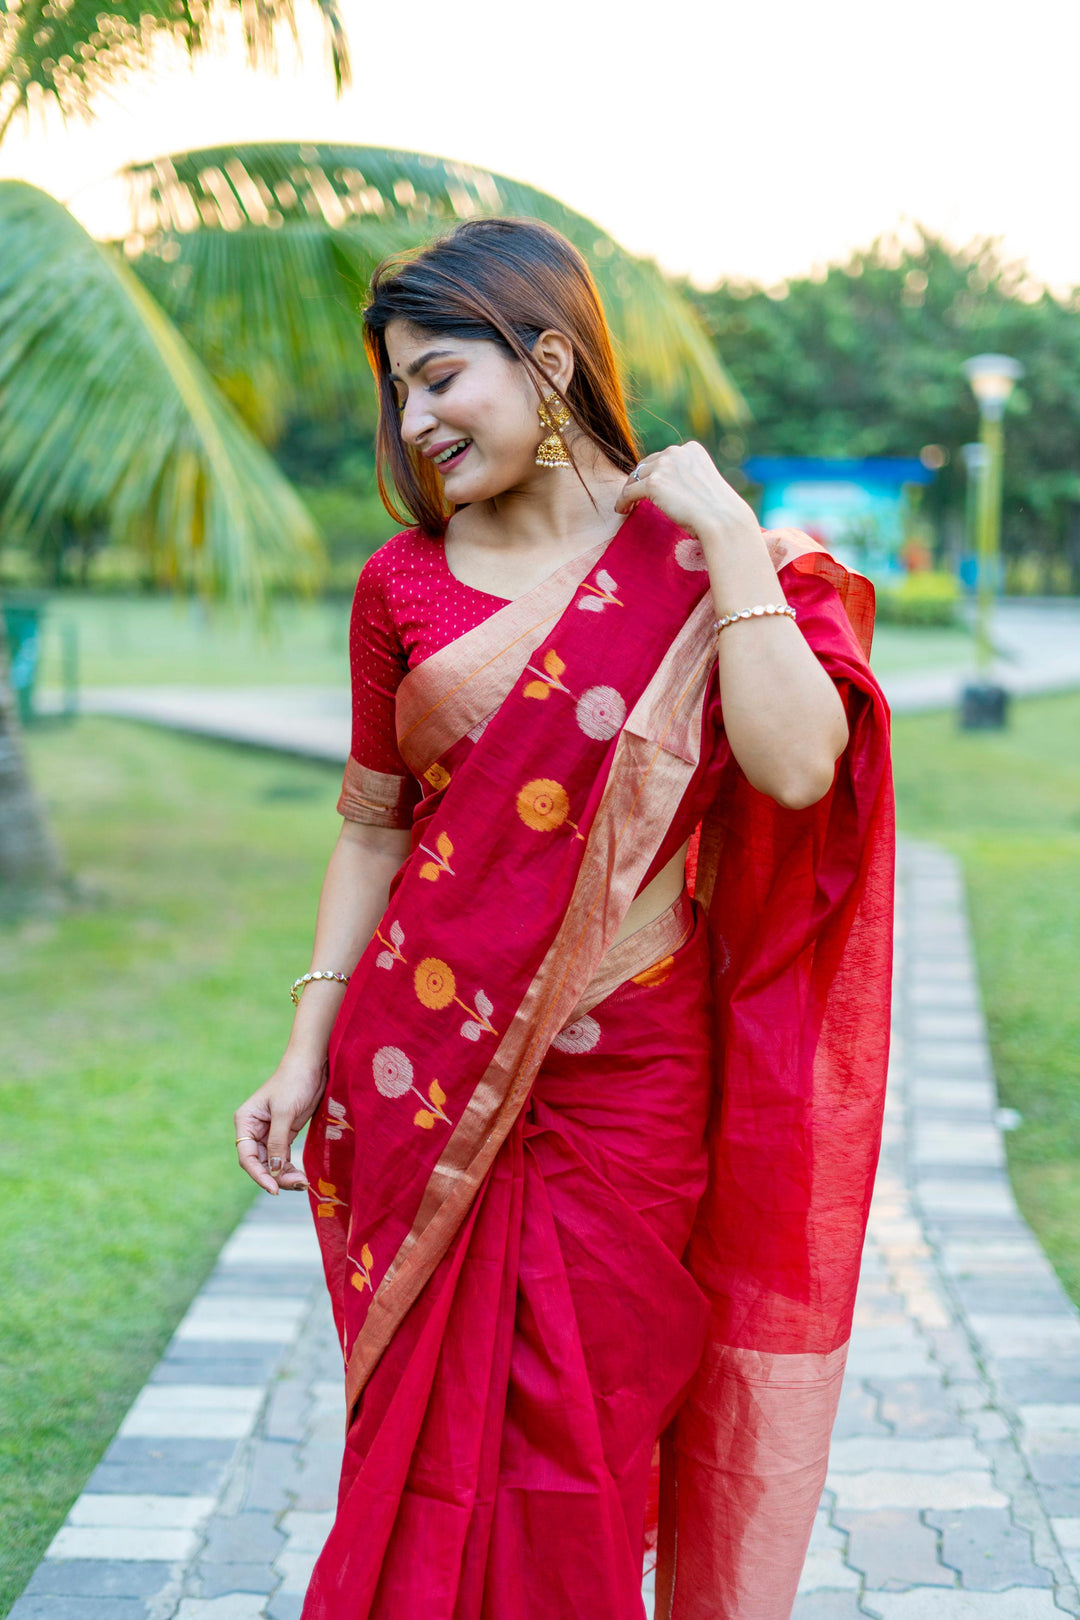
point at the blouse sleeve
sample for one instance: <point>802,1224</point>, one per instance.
<point>378,787</point>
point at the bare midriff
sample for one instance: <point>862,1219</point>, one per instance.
<point>661,892</point>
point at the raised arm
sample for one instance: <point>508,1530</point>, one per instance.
<point>783,716</point>
<point>354,896</point>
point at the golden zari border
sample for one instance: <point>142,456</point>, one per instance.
<point>465,681</point>
<point>375,797</point>
<point>750,1455</point>
<point>639,951</point>
<point>653,763</point>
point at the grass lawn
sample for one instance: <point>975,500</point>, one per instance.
<point>1008,803</point>
<point>132,1028</point>
<point>126,641</point>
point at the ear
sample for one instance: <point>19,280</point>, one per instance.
<point>554,354</point>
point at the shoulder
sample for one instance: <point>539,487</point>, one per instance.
<point>401,559</point>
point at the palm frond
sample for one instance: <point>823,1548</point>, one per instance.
<point>267,249</point>
<point>105,412</point>
<point>72,49</point>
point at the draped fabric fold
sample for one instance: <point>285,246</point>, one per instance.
<point>526,1124</point>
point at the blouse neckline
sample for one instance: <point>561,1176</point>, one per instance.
<point>506,600</point>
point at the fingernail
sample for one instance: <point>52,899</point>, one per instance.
<point>297,1186</point>
<point>275,1164</point>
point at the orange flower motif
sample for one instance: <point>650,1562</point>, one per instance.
<point>435,983</point>
<point>543,804</point>
<point>438,776</point>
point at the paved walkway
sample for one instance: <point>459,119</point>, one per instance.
<point>954,1486</point>
<point>1040,644</point>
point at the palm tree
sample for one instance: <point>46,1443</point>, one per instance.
<point>141,384</point>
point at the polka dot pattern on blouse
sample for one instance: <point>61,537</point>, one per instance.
<point>407,605</point>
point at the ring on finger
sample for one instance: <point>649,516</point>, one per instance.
<point>635,476</point>
<point>240,1139</point>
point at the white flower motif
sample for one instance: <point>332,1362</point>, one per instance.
<point>689,555</point>
<point>600,711</point>
<point>580,1036</point>
<point>392,1070</point>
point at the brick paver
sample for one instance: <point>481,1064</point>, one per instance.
<point>954,1481</point>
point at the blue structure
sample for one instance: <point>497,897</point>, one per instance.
<point>859,509</point>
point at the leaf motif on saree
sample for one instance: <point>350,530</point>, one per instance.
<point>484,1005</point>
<point>337,1125</point>
<point>549,677</point>
<point>601,595</point>
<point>425,1120</point>
<point>328,1199</point>
<point>439,861</point>
<point>471,1030</point>
<point>386,958</point>
<point>361,1277</point>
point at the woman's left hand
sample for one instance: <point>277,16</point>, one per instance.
<point>683,481</point>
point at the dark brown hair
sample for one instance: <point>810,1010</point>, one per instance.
<point>505,281</point>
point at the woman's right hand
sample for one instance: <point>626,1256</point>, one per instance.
<point>268,1123</point>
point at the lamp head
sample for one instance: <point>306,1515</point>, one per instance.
<point>992,377</point>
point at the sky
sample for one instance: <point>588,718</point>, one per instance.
<point>759,141</point>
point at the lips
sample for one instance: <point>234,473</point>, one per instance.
<point>450,455</point>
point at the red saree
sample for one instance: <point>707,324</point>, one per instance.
<point>525,1126</point>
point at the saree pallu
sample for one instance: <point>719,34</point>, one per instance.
<point>522,1119</point>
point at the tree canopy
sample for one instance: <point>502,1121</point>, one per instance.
<point>865,361</point>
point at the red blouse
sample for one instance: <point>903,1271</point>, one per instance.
<point>407,605</point>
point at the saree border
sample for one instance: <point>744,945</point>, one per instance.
<point>432,715</point>
<point>652,765</point>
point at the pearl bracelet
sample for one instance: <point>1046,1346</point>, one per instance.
<point>298,985</point>
<point>763,610</point>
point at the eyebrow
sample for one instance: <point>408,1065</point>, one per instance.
<point>432,354</point>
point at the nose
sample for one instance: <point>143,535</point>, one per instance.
<point>416,419</point>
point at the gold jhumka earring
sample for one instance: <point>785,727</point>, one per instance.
<point>552,451</point>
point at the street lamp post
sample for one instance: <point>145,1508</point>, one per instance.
<point>991,377</point>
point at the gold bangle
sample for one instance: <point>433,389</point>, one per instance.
<point>762,611</point>
<point>299,985</point>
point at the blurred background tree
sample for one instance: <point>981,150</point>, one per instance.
<point>143,385</point>
<point>864,361</point>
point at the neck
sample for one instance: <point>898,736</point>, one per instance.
<point>555,507</point>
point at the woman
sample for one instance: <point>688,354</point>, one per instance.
<point>590,1159</point>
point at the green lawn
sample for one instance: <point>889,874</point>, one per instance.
<point>132,1028</point>
<point>126,641</point>
<point>1009,805</point>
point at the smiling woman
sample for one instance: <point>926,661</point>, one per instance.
<point>593,1124</point>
